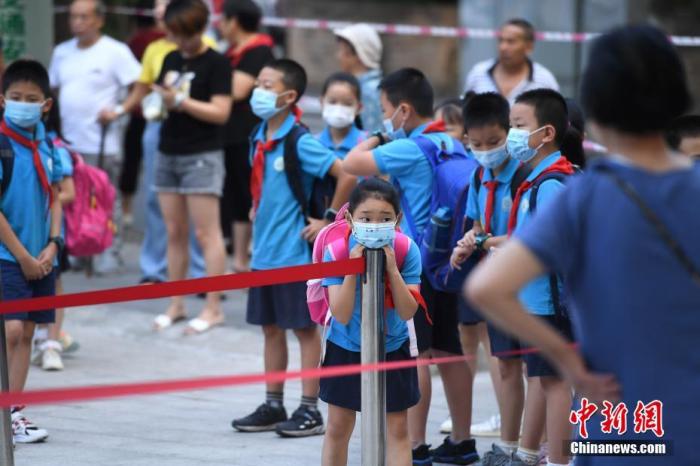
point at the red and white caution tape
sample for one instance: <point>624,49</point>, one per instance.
<point>406,29</point>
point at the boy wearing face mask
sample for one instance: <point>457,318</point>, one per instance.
<point>539,124</point>
<point>280,239</point>
<point>488,205</point>
<point>30,219</point>
<point>341,103</point>
<point>407,101</point>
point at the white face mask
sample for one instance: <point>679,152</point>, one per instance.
<point>338,116</point>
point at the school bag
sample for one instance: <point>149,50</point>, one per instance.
<point>452,172</point>
<point>89,226</point>
<point>322,190</point>
<point>7,160</point>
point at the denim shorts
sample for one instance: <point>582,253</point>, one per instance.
<point>201,173</point>
<point>15,286</point>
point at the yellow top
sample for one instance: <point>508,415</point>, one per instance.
<point>155,54</point>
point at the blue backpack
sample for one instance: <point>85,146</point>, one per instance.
<point>452,172</point>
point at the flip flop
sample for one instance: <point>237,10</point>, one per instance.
<point>198,326</point>
<point>163,321</point>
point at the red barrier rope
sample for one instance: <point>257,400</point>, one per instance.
<point>187,287</point>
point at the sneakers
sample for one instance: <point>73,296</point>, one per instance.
<point>496,457</point>
<point>304,422</point>
<point>25,431</point>
<point>68,343</point>
<point>422,456</point>
<point>455,453</point>
<point>446,426</point>
<point>489,428</point>
<point>51,360</point>
<point>264,418</point>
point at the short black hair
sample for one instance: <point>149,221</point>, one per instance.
<point>635,81</point>
<point>247,13</point>
<point>550,109</point>
<point>486,109</point>
<point>409,85</point>
<point>186,17</point>
<point>24,70</point>
<point>525,25</point>
<point>686,126</point>
<point>374,188</point>
<point>293,75</point>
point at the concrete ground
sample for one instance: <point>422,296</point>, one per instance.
<point>177,429</point>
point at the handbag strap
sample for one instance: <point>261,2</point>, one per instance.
<point>658,225</point>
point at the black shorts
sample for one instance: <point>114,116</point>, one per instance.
<point>466,312</point>
<point>503,345</point>
<point>401,385</point>
<point>443,335</point>
<point>537,365</point>
<point>282,305</point>
<point>15,286</point>
<point>63,263</point>
<point>236,200</point>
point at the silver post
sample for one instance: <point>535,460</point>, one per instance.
<point>7,454</point>
<point>373,351</point>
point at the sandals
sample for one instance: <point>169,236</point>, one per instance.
<point>198,326</point>
<point>163,321</point>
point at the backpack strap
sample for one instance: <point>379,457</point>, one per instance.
<point>292,167</point>
<point>7,159</point>
<point>402,244</point>
<point>478,178</point>
<point>521,174</point>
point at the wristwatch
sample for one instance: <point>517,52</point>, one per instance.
<point>481,240</point>
<point>59,242</point>
<point>380,136</point>
<point>330,214</point>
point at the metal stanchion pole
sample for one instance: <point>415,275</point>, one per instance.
<point>373,351</point>
<point>7,454</point>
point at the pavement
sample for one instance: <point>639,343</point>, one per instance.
<point>184,428</point>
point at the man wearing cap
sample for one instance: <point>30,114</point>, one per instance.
<point>513,72</point>
<point>359,53</point>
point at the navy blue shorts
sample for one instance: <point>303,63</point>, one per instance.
<point>282,305</point>
<point>466,313</point>
<point>537,365</point>
<point>15,286</point>
<point>443,335</point>
<point>401,385</point>
<point>503,346</point>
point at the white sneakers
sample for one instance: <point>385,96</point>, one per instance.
<point>25,431</point>
<point>489,428</point>
<point>47,355</point>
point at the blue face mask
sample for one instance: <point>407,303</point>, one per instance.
<point>518,144</point>
<point>264,103</point>
<point>389,128</point>
<point>23,114</point>
<point>491,158</point>
<point>374,235</point>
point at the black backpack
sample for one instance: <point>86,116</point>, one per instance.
<point>7,160</point>
<point>322,190</point>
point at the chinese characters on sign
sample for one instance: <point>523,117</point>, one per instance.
<point>647,417</point>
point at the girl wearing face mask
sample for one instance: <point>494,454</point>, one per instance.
<point>372,217</point>
<point>341,105</point>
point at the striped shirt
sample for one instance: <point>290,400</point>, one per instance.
<point>480,79</point>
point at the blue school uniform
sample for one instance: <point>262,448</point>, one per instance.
<point>405,162</point>
<point>25,205</point>
<point>353,138</point>
<point>536,296</point>
<point>277,240</point>
<point>343,348</point>
<point>348,336</point>
<point>633,305</point>
<point>476,204</point>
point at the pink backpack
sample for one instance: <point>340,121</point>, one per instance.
<point>334,238</point>
<point>89,226</point>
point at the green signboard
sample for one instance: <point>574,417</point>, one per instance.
<point>12,28</point>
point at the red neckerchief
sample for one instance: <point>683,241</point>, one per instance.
<point>261,40</point>
<point>34,147</point>
<point>560,166</point>
<point>437,126</point>
<point>490,200</point>
<point>258,171</point>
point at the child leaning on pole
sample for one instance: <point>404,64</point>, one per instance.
<point>30,219</point>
